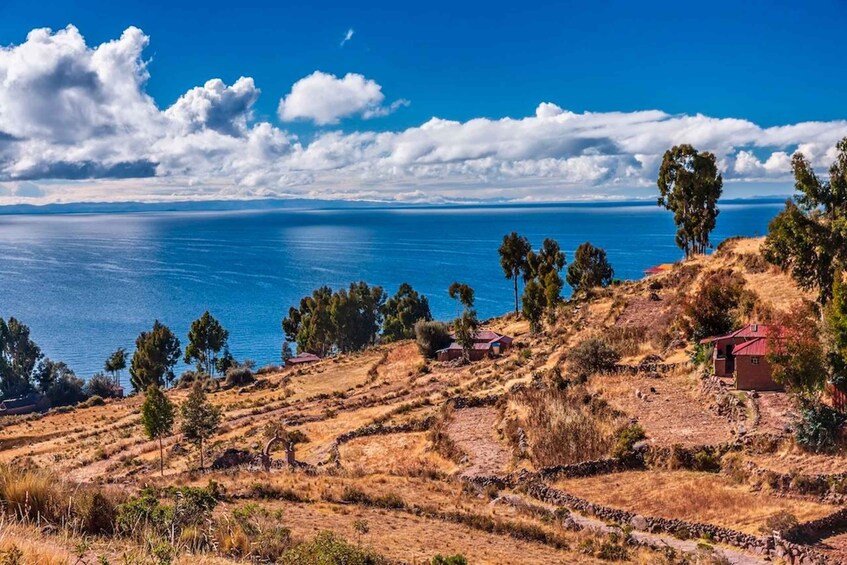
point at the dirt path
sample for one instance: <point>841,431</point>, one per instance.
<point>775,411</point>
<point>473,431</point>
<point>668,408</point>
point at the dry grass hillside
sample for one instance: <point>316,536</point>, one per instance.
<point>453,447</point>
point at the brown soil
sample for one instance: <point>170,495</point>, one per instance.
<point>674,414</point>
<point>473,431</point>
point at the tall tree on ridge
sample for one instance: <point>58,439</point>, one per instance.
<point>513,258</point>
<point>402,311</point>
<point>310,326</point>
<point>19,358</point>
<point>200,418</point>
<point>466,324</point>
<point>156,353</point>
<point>206,338</point>
<point>809,237</point>
<point>690,186</point>
<point>157,418</point>
<point>115,364</point>
<point>590,268</point>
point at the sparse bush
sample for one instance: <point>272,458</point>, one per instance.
<point>566,426</point>
<point>239,376</point>
<point>733,465</point>
<point>626,440</point>
<point>431,336</point>
<point>626,340</point>
<point>457,559</point>
<point>712,309</point>
<point>95,400</point>
<point>103,386</point>
<point>782,522</point>
<point>96,513</point>
<point>592,356</point>
<point>326,548</point>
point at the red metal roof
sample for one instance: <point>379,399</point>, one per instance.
<point>304,358</point>
<point>754,348</point>
<point>484,339</point>
<point>750,331</point>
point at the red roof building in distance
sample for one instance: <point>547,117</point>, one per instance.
<point>486,344</point>
<point>301,359</point>
<point>742,354</point>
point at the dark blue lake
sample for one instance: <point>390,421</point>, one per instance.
<point>88,283</point>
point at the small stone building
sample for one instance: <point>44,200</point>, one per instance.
<point>302,359</point>
<point>742,354</point>
<point>27,404</point>
<point>486,344</point>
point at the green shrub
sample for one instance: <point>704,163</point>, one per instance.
<point>592,356</point>
<point>147,511</point>
<point>431,336</point>
<point>328,549</point>
<point>144,512</point>
<point>626,440</point>
<point>103,386</point>
<point>457,559</point>
<point>818,428</point>
<point>239,376</point>
<point>705,460</point>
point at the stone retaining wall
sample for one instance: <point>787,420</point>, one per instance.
<point>815,530</point>
<point>460,402</point>
<point>830,488</point>
<point>654,368</point>
<point>375,430</point>
<point>770,546</point>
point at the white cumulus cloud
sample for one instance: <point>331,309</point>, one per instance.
<point>76,124</point>
<point>324,99</point>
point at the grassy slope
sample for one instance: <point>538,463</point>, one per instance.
<point>104,444</point>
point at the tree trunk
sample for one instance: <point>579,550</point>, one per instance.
<point>516,292</point>
<point>201,453</point>
<point>161,458</point>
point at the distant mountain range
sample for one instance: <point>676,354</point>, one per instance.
<point>306,204</point>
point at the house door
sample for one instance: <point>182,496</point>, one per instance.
<point>730,359</point>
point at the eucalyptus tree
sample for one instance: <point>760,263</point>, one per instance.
<point>513,259</point>
<point>590,268</point>
<point>690,185</point>
<point>402,311</point>
<point>206,338</point>
<point>19,358</point>
<point>809,237</point>
<point>156,353</point>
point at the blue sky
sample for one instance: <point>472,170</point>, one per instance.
<point>770,64</point>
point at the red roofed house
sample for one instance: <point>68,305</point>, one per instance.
<point>486,344</point>
<point>742,354</point>
<point>301,359</point>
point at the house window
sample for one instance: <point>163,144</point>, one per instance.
<point>754,360</point>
